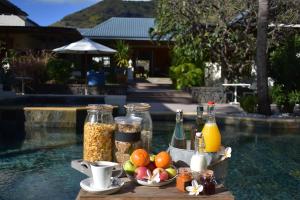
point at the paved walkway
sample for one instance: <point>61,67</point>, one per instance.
<point>158,92</point>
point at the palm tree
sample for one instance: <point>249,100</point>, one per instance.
<point>261,57</point>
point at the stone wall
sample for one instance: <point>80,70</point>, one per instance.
<point>205,94</point>
<point>79,89</point>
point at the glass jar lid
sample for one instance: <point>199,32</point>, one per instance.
<point>208,174</point>
<point>103,107</point>
<point>128,120</point>
<point>138,106</point>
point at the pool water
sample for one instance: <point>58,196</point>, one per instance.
<point>264,164</point>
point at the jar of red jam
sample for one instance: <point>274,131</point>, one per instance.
<point>209,183</point>
<point>183,179</point>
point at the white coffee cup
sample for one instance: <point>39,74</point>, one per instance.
<point>102,174</point>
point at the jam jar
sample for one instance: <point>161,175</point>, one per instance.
<point>209,183</point>
<point>184,179</point>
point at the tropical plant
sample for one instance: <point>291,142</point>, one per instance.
<point>294,97</point>
<point>186,75</point>
<point>208,31</point>
<point>122,54</point>
<point>59,70</point>
<point>278,95</point>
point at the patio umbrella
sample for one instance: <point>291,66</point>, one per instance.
<point>85,47</point>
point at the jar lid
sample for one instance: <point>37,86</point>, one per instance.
<point>138,106</point>
<point>208,173</point>
<point>100,107</point>
<point>128,120</point>
<point>185,170</point>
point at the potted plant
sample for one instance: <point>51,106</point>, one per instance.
<point>278,97</point>
<point>294,98</point>
<point>122,58</point>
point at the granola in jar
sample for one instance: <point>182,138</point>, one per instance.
<point>98,134</point>
<point>127,137</point>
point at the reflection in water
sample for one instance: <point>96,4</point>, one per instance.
<point>35,139</point>
<point>12,131</point>
<point>264,165</point>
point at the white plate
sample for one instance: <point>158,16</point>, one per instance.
<point>86,185</point>
<point>145,183</point>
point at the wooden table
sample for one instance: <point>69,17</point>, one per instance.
<point>132,191</point>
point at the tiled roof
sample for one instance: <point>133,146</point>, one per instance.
<point>122,28</point>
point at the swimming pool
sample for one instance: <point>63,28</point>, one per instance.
<point>264,165</point>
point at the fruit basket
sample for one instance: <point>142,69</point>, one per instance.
<point>153,171</point>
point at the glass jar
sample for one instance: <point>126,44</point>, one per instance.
<point>98,133</point>
<point>127,137</point>
<point>142,110</point>
<point>209,183</point>
<point>183,179</point>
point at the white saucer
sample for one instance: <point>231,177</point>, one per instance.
<point>87,183</point>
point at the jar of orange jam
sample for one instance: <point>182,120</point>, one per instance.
<point>183,179</point>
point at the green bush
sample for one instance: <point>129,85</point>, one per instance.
<point>59,70</point>
<point>294,97</point>
<point>186,75</point>
<point>278,95</point>
<point>248,103</point>
<point>284,99</point>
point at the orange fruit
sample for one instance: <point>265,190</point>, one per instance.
<point>140,158</point>
<point>163,160</point>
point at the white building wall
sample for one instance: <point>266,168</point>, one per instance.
<point>11,20</point>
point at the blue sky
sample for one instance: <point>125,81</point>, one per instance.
<point>46,12</point>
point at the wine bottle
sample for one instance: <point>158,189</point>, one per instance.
<point>178,138</point>
<point>198,126</point>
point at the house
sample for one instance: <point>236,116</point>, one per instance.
<point>11,15</point>
<point>153,56</point>
<point>18,32</point>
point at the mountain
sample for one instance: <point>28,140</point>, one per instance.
<point>103,10</point>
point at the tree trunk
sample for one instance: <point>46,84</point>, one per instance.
<point>261,58</point>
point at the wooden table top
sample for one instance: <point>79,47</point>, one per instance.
<point>133,191</point>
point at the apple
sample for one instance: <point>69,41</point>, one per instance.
<point>142,173</point>
<point>151,166</point>
<point>163,174</point>
<point>171,172</point>
<point>128,167</point>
